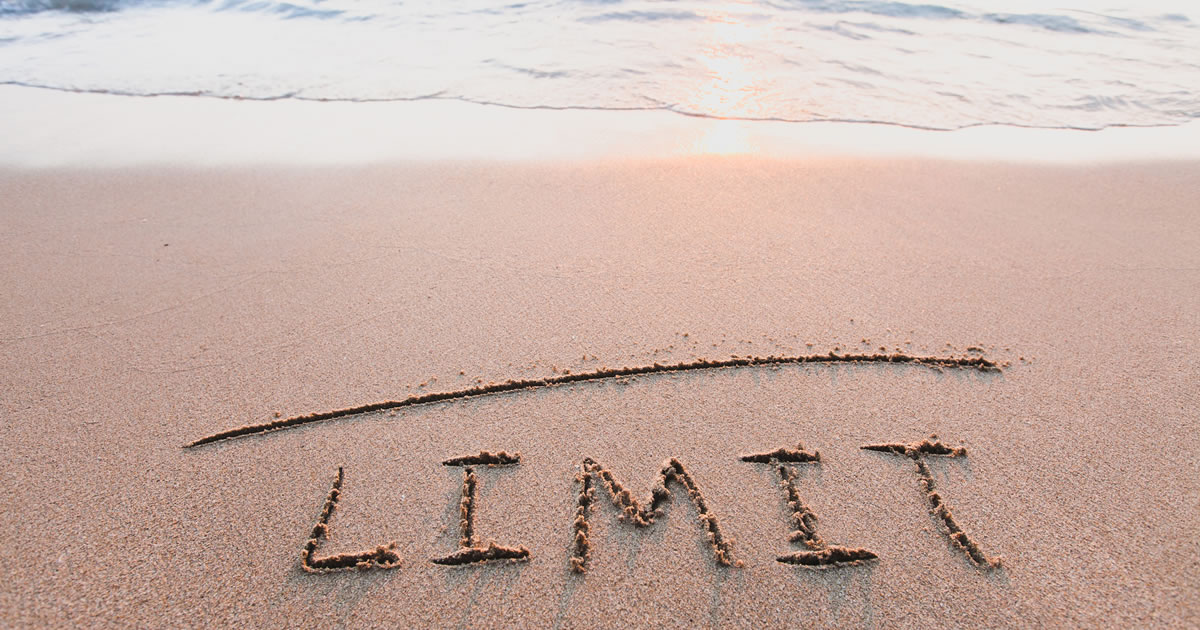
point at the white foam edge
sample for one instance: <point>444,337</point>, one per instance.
<point>44,128</point>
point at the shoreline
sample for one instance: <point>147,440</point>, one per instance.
<point>58,129</point>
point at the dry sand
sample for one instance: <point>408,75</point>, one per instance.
<point>145,309</point>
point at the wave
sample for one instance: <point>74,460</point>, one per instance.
<point>1089,21</point>
<point>1051,22</point>
<point>265,7</point>
<point>1060,22</point>
<point>948,65</point>
<point>71,6</point>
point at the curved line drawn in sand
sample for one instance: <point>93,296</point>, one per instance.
<point>937,505</point>
<point>381,557</point>
<point>820,554</point>
<point>968,363</point>
<point>641,514</point>
<point>469,549</point>
<point>484,458</point>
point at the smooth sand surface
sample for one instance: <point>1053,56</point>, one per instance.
<point>146,309</point>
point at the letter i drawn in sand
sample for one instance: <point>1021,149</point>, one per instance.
<point>819,554</point>
<point>381,557</point>
<point>469,549</point>
<point>937,505</point>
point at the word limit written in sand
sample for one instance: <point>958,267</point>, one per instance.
<point>593,481</point>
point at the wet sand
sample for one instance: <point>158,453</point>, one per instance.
<point>149,308</point>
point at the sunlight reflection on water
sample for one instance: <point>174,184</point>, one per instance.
<point>944,66</point>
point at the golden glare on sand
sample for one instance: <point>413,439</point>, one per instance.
<point>725,137</point>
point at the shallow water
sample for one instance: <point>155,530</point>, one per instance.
<point>941,66</point>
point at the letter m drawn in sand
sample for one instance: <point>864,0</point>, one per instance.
<point>640,514</point>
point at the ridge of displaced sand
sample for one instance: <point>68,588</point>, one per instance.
<point>975,363</point>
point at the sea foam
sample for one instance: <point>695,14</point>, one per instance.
<point>935,66</point>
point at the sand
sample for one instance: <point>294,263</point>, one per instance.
<point>148,308</point>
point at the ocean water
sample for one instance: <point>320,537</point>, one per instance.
<point>1071,64</point>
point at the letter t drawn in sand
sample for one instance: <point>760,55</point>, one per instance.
<point>937,505</point>
<point>469,549</point>
<point>820,554</point>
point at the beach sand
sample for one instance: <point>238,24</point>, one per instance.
<point>147,308</point>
